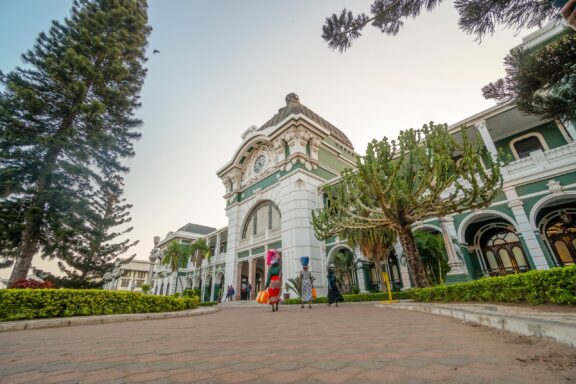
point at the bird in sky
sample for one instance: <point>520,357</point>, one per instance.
<point>155,51</point>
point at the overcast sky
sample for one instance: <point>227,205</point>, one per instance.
<point>226,65</point>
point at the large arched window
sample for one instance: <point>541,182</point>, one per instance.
<point>524,145</point>
<point>561,234</point>
<point>264,217</point>
<point>503,252</point>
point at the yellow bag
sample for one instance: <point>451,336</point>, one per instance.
<point>313,293</point>
<point>262,297</point>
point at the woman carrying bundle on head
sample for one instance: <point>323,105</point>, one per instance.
<point>306,285</point>
<point>273,280</point>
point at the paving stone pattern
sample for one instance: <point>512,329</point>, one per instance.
<point>350,344</point>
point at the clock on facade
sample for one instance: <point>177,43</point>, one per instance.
<point>259,164</point>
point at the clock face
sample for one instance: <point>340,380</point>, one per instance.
<point>259,164</point>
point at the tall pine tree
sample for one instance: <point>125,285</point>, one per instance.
<point>92,252</point>
<point>540,81</point>
<point>66,119</point>
<point>476,17</point>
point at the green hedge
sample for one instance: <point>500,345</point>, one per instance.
<point>17,304</point>
<point>557,286</point>
<point>356,297</point>
<point>207,303</point>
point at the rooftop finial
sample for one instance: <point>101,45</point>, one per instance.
<point>292,98</point>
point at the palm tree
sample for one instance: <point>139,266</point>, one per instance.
<point>433,254</point>
<point>374,243</point>
<point>175,256</point>
<point>199,250</point>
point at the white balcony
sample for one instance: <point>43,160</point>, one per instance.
<point>260,238</point>
<point>541,161</point>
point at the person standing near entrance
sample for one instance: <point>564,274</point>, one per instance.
<point>334,295</point>
<point>273,280</point>
<point>232,292</point>
<point>305,283</point>
<point>248,291</point>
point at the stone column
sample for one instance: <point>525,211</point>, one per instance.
<point>458,271</point>
<point>404,273</point>
<point>238,288</point>
<point>550,257</point>
<point>360,278</point>
<point>525,229</point>
<point>252,276</point>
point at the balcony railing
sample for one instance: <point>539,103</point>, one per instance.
<point>542,160</point>
<point>254,239</point>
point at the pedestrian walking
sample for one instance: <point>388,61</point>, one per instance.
<point>334,295</point>
<point>229,293</point>
<point>232,292</point>
<point>274,279</point>
<point>306,284</point>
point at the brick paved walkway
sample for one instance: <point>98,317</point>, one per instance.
<point>354,343</point>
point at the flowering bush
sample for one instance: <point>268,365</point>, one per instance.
<point>31,283</point>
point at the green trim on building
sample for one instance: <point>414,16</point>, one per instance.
<point>243,254</point>
<point>323,173</point>
<point>258,250</point>
<point>332,161</point>
<point>527,189</point>
<point>501,196</point>
<point>276,245</point>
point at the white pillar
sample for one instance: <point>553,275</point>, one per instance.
<point>404,273</point>
<point>456,263</point>
<point>525,229</point>
<point>486,138</point>
<point>252,276</point>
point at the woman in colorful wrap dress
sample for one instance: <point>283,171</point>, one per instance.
<point>334,295</point>
<point>306,286</point>
<point>274,282</point>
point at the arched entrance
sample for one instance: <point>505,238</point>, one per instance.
<point>492,236</point>
<point>559,229</point>
<point>502,250</point>
<point>207,288</point>
<point>219,287</point>
<point>344,260</point>
<point>556,218</point>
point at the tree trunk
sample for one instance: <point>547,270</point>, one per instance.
<point>27,248</point>
<point>414,262</point>
<point>30,236</point>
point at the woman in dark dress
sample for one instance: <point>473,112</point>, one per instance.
<point>334,295</point>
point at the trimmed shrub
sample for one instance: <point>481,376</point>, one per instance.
<point>356,297</point>
<point>556,286</point>
<point>207,303</point>
<point>17,304</point>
